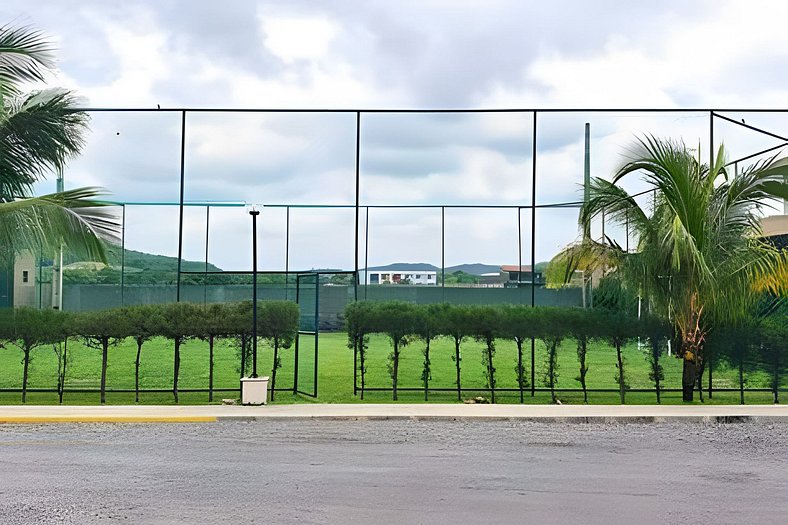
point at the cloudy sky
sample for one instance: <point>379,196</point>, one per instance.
<point>394,55</point>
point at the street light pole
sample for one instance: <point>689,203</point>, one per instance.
<point>254,213</point>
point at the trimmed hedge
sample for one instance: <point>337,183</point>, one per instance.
<point>407,323</point>
<point>277,322</point>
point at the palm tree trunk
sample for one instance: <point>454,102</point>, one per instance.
<point>688,380</point>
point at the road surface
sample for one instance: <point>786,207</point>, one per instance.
<point>301,471</point>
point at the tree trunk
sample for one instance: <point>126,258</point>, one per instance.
<point>491,369</point>
<point>621,379</point>
<point>699,379</point>
<point>426,370</point>
<point>520,371</point>
<point>243,356</point>
<point>273,369</point>
<point>776,379</point>
<point>395,368</point>
<point>362,356</point>
<point>355,366</point>
<point>688,380</point>
<point>551,350</point>
<point>137,372</point>
<point>457,363</point>
<point>583,351</point>
<point>24,375</point>
<point>62,378</point>
<point>210,368</point>
<point>655,371</point>
<point>176,365</point>
<point>104,348</point>
<point>741,379</point>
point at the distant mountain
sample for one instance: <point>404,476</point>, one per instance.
<point>472,269</point>
<point>468,268</point>
<point>148,261</point>
<point>416,267</point>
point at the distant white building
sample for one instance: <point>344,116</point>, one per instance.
<point>400,277</point>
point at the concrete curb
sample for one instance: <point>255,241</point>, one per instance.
<point>607,420</point>
<point>588,414</point>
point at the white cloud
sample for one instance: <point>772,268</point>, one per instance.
<point>293,39</point>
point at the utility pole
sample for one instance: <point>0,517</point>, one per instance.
<point>57,263</point>
<point>586,199</point>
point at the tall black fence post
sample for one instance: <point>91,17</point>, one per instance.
<point>254,213</point>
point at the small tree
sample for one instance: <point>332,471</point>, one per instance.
<point>179,322</point>
<point>551,330</point>
<point>357,319</point>
<point>144,323</point>
<point>240,324</point>
<point>213,324</point>
<point>657,331</point>
<point>427,327</point>
<point>485,328</point>
<point>102,329</point>
<point>734,344</point>
<point>278,323</point>
<point>31,329</point>
<point>773,350</point>
<point>617,328</point>
<point>454,322</point>
<point>397,321</point>
<point>580,324</point>
<point>518,323</point>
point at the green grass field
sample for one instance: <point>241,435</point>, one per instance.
<point>335,377</point>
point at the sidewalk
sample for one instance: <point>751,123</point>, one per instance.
<point>544,413</point>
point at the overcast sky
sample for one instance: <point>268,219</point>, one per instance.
<point>394,54</point>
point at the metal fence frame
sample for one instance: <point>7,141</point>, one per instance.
<point>713,114</point>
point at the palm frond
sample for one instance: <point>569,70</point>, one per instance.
<point>25,55</point>
<point>74,219</point>
<point>38,133</point>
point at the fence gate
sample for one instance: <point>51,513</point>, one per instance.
<point>307,338</point>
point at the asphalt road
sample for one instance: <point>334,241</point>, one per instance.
<point>300,471</point>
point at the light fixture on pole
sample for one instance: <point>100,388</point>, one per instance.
<point>254,213</point>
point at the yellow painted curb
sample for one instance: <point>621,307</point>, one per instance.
<point>107,419</point>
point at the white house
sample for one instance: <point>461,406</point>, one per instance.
<point>395,276</point>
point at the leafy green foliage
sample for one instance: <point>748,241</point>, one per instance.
<point>39,133</point>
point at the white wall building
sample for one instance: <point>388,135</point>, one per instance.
<point>400,277</point>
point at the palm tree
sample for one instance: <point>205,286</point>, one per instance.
<point>39,132</point>
<point>698,259</point>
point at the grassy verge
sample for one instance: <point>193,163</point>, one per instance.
<point>335,373</point>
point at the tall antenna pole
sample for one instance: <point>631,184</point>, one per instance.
<point>57,266</point>
<point>586,199</point>
<point>587,178</point>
